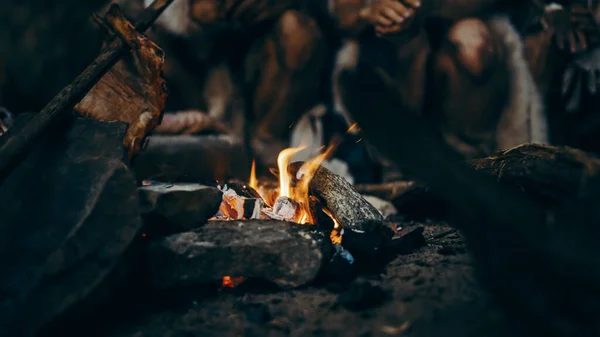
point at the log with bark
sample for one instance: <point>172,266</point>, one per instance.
<point>365,229</point>
<point>385,191</point>
<point>541,266</point>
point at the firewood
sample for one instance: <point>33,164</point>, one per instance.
<point>239,205</point>
<point>284,253</point>
<point>541,266</point>
<point>189,122</point>
<point>171,208</point>
<point>364,227</point>
<point>385,191</point>
<point>71,210</point>
<point>15,145</point>
<point>191,159</point>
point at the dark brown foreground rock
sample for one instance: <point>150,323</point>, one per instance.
<point>284,253</point>
<point>170,208</point>
<point>189,158</point>
<point>365,230</point>
<point>70,210</point>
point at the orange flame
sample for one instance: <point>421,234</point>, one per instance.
<point>231,282</point>
<point>305,174</point>
<point>336,234</point>
<point>299,192</point>
<point>253,182</point>
<point>285,182</point>
<point>353,128</point>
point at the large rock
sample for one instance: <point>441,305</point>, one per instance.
<point>285,253</point>
<point>177,207</point>
<point>70,210</point>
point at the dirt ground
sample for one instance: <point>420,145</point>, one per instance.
<point>431,292</point>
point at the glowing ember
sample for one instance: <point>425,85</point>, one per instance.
<point>353,128</point>
<point>231,282</point>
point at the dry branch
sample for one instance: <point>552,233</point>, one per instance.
<point>15,145</point>
<point>385,191</point>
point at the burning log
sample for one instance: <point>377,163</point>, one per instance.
<point>550,175</point>
<point>364,227</point>
<point>287,254</point>
<point>191,158</point>
<point>170,208</point>
<point>286,208</point>
<point>71,211</point>
<point>239,203</point>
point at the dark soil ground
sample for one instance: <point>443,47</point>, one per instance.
<point>431,292</point>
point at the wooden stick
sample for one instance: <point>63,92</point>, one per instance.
<point>15,145</point>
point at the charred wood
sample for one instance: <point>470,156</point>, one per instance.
<point>240,202</point>
<point>405,241</point>
<point>364,227</point>
<point>171,208</point>
<point>73,211</point>
<point>242,189</point>
<point>191,159</point>
<point>283,253</point>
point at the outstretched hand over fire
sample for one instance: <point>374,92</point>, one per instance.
<point>390,16</point>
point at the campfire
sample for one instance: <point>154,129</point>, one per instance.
<point>290,200</point>
<point>308,196</point>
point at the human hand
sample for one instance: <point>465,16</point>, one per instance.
<point>390,16</point>
<point>575,29</point>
